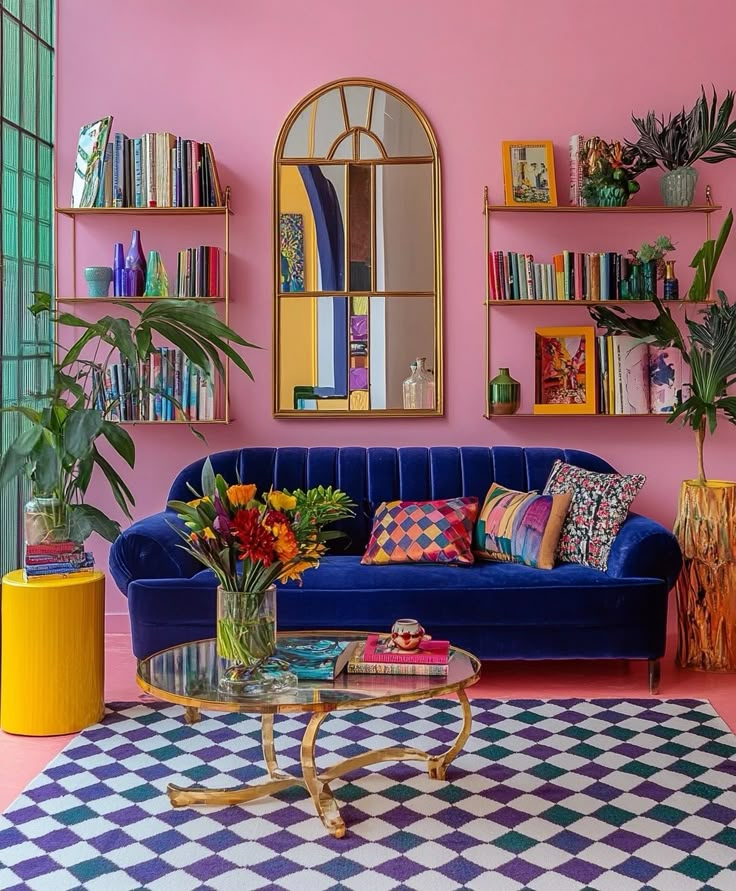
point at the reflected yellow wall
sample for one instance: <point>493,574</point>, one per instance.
<point>297,335</point>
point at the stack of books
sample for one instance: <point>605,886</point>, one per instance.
<point>376,656</point>
<point>56,558</point>
<point>158,170</point>
<point>198,272</point>
<point>572,275</point>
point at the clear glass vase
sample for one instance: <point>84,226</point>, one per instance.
<point>418,388</point>
<point>246,642</point>
<point>45,521</point>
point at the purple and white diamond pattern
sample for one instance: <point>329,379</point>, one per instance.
<point>610,795</point>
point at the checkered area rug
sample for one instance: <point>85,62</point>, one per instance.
<point>547,795</point>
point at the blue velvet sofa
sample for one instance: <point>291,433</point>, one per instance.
<point>496,610</point>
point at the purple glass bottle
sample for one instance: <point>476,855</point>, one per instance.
<point>118,270</point>
<point>135,266</point>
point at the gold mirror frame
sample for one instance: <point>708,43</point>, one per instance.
<point>358,132</point>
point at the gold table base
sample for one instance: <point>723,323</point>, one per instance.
<point>317,784</point>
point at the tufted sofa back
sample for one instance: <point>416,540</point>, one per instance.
<point>373,475</point>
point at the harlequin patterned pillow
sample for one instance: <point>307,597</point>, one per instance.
<point>520,527</point>
<point>422,531</point>
<point>600,503</point>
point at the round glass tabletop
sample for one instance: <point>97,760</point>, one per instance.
<point>189,674</point>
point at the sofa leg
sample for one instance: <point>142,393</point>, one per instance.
<point>654,672</point>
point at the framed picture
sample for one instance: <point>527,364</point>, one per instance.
<point>529,174</point>
<point>565,371</point>
<point>88,164</point>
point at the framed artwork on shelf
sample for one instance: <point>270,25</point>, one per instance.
<point>529,174</point>
<point>565,371</point>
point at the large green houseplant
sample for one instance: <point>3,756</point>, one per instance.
<point>706,520</point>
<point>57,449</point>
<point>706,133</point>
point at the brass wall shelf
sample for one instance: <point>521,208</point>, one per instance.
<point>224,212</point>
<point>491,209</point>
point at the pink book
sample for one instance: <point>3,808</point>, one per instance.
<point>430,652</point>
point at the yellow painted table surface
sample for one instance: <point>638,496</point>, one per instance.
<point>53,653</point>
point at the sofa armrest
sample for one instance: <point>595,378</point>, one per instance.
<point>149,549</point>
<point>643,548</point>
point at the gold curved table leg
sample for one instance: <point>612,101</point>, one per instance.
<point>317,786</point>
<point>269,752</point>
<point>437,766</point>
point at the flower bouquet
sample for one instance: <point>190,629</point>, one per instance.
<point>250,542</point>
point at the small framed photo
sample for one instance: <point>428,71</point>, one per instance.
<point>529,174</point>
<point>565,371</point>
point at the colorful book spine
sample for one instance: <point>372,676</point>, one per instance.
<point>431,652</point>
<point>357,665</point>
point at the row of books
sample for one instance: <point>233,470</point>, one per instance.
<point>198,272</point>
<point>158,170</point>
<point>571,275</point>
<point>168,388</point>
<point>636,378</point>
<point>56,558</point>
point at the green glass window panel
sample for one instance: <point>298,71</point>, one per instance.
<point>28,239</point>
<point>46,21</point>
<point>10,238</point>
<point>10,309</point>
<point>13,7</point>
<point>45,97</point>
<point>44,162</point>
<point>28,106</point>
<point>29,14</point>
<point>11,70</point>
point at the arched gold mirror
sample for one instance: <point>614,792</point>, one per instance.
<point>357,257</point>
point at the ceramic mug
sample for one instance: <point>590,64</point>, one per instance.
<point>407,634</point>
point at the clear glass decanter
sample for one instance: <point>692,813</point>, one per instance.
<point>419,387</point>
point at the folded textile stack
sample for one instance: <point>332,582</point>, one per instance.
<point>56,558</point>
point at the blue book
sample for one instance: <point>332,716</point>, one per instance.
<point>138,171</point>
<point>315,660</point>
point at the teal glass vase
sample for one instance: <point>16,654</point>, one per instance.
<point>504,394</point>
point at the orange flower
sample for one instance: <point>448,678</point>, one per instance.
<point>286,546</point>
<point>193,536</point>
<point>240,495</point>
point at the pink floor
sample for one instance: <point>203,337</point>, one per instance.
<point>22,757</point>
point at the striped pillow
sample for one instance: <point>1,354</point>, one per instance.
<point>520,527</point>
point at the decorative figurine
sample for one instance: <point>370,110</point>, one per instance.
<point>407,634</point>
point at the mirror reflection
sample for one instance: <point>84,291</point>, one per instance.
<point>357,352</point>
<point>357,256</point>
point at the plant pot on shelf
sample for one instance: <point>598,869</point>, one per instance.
<point>246,641</point>
<point>706,588</point>
<point>612,196</point>
<point>678,186</point>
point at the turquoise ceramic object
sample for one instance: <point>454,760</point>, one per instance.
<point>98,280</point>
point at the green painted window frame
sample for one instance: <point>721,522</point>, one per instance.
<point>27,30</point>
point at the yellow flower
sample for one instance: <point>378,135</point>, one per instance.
<point>281,501</point>
<point>197,501</point>
<point>240,495</point>
<point>208,533</point>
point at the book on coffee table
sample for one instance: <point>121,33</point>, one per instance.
<point>315,660</point>
<point>378,648</point>
<point>359,664</point>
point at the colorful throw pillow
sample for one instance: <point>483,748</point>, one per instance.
<point>520,527</point>
<point>422,531</point>
<point>600,503</point>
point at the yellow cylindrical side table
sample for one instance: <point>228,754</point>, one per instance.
<point>53,653</point>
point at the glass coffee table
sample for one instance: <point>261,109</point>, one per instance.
<point>189,674</point>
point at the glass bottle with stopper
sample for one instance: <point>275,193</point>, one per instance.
<point>418,388</point>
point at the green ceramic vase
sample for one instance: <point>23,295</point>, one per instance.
<point>504,394</point>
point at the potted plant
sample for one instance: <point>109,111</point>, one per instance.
<point>57,450</point>
<point>646,266</point>
<point>704,133</point>
<point>250,542</point>
<point>706,520</point>
<point>610,171</point>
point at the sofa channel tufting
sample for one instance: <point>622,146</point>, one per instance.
<point>496,610</point>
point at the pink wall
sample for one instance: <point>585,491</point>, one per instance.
<point>482,70</point>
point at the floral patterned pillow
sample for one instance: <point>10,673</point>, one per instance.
<point>600,504</point>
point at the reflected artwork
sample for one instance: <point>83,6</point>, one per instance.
<point>291,240</point>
